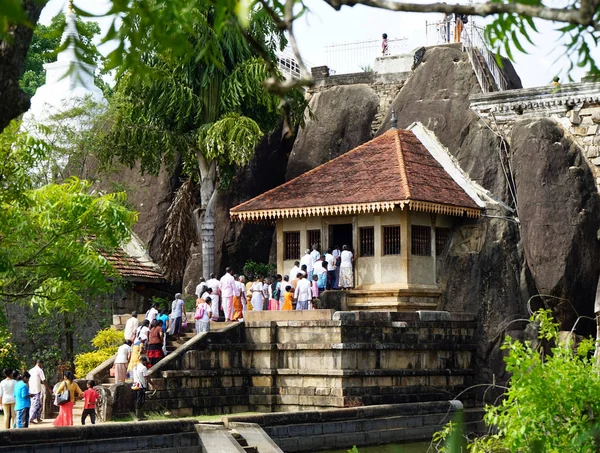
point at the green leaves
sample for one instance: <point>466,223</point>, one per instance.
<point>52,238</point>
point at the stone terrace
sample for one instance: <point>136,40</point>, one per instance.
<point>290,361</point>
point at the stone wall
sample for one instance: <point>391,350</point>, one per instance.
<point>354,359</point>
<point>361,426</point>
<point>575,106</point>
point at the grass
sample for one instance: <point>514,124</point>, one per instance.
<point>166,416</point>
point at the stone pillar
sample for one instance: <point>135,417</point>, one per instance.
<point>279,235</point>
<point>433,250</point>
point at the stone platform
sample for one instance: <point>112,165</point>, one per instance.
<point>333,360</point>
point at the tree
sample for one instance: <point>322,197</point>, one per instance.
<point>163,29</point>
<point>53,238</point>
<point>208,113</point>
<point>44,49</point>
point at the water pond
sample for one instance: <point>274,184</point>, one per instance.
<point>414,447</point>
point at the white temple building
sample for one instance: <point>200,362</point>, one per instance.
<point>68,80</point>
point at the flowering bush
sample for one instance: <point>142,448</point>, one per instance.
<point>108,338</point>
<point>106,341</point>
<point>8,353</point>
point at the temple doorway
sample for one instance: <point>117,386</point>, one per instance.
<point>340,234</point>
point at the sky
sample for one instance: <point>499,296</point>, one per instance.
<point>322,27</point>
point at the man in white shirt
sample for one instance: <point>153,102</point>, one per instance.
<point>315,254</point>
<point>307,261</point>
<point>152,313</point>
<point>201,288</point>
<point>303,293</point>
<point>330,260</point>
<point>140,377</point>
<point>227,290</point>
<point>295,270</point>
<point>131,326</point>
<point>37,379</point>
<point>214,285</point>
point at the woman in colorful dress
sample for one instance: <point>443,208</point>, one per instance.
<point>155,343</point>
<point>65,414</point>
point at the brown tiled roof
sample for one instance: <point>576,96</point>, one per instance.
<point>392,169</point>
<point>131,268</point>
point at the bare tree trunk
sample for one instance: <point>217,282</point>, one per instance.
<point>208,196</point>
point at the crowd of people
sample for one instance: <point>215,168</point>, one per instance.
<point>21,398</point>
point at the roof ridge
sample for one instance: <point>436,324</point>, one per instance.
<point>401,166</point>
<point>312,170</point>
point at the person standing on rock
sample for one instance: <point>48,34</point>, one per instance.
<point>227,285</point>
<point>37,379</point>
<point>303,292</point>
<point>131,326</point>
<point>177,313</point>
<point>384,45</point>
<point>140,384</point>
<point>121,361</point>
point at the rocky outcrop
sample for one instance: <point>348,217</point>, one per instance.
<point>437,95</point>
<point>342,121</point>
<point>559,210</point>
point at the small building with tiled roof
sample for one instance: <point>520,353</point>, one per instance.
<point>392,200</point>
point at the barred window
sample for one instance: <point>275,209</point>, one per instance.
<point>391,240</point>
<point>313,237</point>
<point>292,245</point>
<point>421,240</point>
<point>441,236</point>
<point>367,241</point>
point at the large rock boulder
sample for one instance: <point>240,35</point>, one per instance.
<point>342,121</point>
<point>437,95</point>
<point>559,209</point>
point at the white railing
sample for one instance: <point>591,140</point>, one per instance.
<point>288,64</point>
<point>345,58</point>
<point>483,60</point>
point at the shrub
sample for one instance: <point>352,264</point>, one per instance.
<point>252,269</point>
<point>108,338</point>
<point>9,358</point>
<point>86,362</point>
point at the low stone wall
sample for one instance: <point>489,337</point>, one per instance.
<point>361,426</point>
<point>153,436</point>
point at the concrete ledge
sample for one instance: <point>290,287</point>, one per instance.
<point>431,315</point>
<point>293,315</point>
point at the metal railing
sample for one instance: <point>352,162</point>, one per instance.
<point>483,60</point>
<point>288,64</point>
<point>345,58</point>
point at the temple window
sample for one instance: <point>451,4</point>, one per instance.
<point>292,245</point>
<point>391,240</point>
<point>421,240</point>
<point>441,236</point>
<point>313,237</point>
<point>367,241</point>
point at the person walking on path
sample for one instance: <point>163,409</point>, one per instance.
<point>239,298</point>
<point>177,312</point>
<point>121,361</point>
<point>90,396</point>
<point>307,260</point>
<point>141,338</point>
<point>164,317</point>
<point>346,274</point>
<point>303,293</point>
<point>215,286</point>
<point>140,384</point>
<point>227,285</point>
<point>288,298</point>
<point>38,378</point>
<point>131,326</point>
<point>258,295</point>
<point>330,262</point>
<point>202,315</point>
<point>65,413</point>
<point>7,397</point>
<point>22,400</point>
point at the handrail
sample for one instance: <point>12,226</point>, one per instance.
<point>473,42</point>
